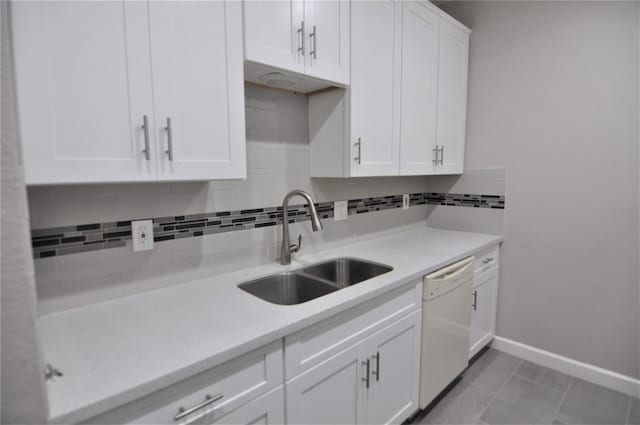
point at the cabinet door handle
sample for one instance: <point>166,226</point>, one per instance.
<point>314,35</point>
<point>169,150</point>
<point>182,412</point>
<point>475,300</point>
<point>376,373</point>
<point>358,159</point>
<point>367,365</point>
<point>145,129</point>
<point>435,155</point>
<point>301,32</point>
<point>487,260</point>
<point>441,155</point>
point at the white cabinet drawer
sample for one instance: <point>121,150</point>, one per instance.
<point>268,409</point>
<point>312,345</point>
<point>486,259</point>
<point>238,381</point>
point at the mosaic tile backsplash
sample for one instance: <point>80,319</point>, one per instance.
<point>90,237</point>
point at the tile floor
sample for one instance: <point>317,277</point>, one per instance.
<point>500,389</point>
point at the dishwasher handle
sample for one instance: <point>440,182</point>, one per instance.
<point>452,271</point>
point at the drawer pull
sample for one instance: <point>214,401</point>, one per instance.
<point>367,364</point>
<point>376,373</point>
<point>182,412</point>
<point>487,260</point>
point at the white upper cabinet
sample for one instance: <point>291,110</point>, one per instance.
<point>452,96</point>
<point>273,33</point>
<point>405,110</point>
<point>83,88</point>
<point>89,74</point>
<point>420,35</point>
<point>308,37</point>
<point>327,32</point>
<point>375,77</point>
<point>198,89</point>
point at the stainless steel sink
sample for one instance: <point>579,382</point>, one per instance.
<point>305,284</point>
<point>346,271</point>
<point>287,288</point>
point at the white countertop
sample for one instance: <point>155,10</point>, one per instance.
<point>115,352</point>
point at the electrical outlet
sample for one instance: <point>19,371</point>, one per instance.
<point>142,234</point>
<point>405,201</point>
<point>340,210</point>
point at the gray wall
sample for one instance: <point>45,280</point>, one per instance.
<point>553,97</point>
<point>24,400</point>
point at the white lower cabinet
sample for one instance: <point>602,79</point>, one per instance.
<point>267,409</point>
<point>373,381</point>
<point>212,395</point>
<point>357,367</point>
<point>483,309</point>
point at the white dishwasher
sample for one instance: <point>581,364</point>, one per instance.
<point>446,319</point>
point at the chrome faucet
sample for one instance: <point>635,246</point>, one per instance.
<point>287,247</point>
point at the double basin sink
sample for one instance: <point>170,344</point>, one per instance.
<point>310,282</point>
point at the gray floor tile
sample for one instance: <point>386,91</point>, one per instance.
<point>634,412</point>
<point>543,375</point>
<point>462,405</point>
<point>491,370</point>
<point>588,403</point>
<point>522,401</point>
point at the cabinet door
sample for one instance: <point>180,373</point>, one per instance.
<point>273,33</point>
<point>395,368</point>
<point>83,87</point>
<point>267,409</point>
<point>420,26</point>
<point>198,89</point>
<point>483,310</point>
<point>331,392</point>
<point>327,33</point>
<point>452,96</point>
<point>375,87</point>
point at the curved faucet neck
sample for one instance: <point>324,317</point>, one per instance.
<point>287,248</point>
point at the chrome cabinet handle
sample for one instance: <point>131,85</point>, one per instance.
<point>301,32</point>
<point>358,158</point>
<point>368,369</point>
<point>441,155</point>
<point>475,300</point>
<point>376,373</point>
<point>169,150</point>
<point>314,35</point>
<point>487,260</point>
<point>182,412</point>
<point>145,128</point>
<point>435,155</point>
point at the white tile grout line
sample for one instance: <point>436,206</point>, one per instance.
<point>627,418</point>
<point>564,396</point>
<point>499,389</point>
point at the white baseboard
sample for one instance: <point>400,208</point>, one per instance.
<point>588,372</point>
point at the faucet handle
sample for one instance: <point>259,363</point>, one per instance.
<point>296,247</point>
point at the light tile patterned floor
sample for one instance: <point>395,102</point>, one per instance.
<point>500,389</point>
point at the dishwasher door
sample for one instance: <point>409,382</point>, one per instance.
<point>446,319</point>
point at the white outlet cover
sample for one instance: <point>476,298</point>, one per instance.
<point>142,235</point>
<point>405,201</point>
<point>340,210</point>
